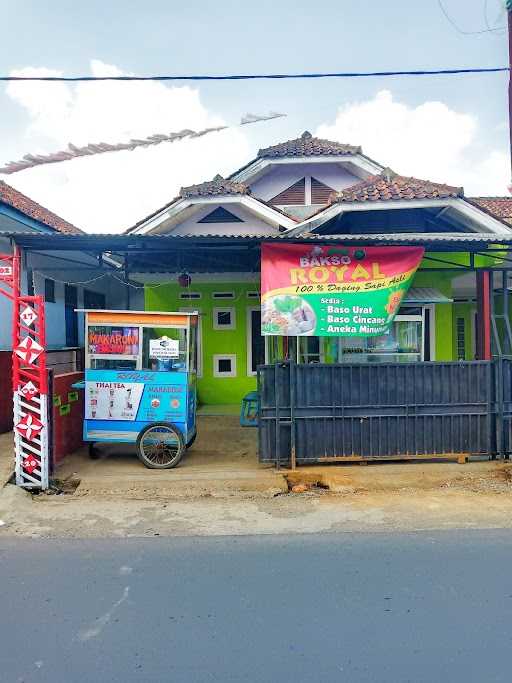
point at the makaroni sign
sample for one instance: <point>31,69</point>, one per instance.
<point>107,340</point>
<point>333,290</point>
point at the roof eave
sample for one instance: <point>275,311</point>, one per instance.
<point>255,168</point>
<point>470,211</point>
<point>172,214</point>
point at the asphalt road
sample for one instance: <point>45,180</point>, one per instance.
<point>328,607</point>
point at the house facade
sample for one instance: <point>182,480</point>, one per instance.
<point>66,279</point>
<point>314,189</point>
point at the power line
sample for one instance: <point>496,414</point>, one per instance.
<point>469,33</point>
<point>249,77</point>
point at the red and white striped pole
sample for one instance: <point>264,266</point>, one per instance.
<point>29,378</point>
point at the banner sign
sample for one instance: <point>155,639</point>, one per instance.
<point>333,290</point>
<point>119,341</point>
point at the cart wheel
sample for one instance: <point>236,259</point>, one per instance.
<point>160,445</point>
<point>93,453</point>
<point>191,440</point>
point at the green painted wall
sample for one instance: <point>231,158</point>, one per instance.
<point>230,390</point>
<point>443,312</point>
<point>466,312</point>
<point>214,390</point>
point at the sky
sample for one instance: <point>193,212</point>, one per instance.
<point>451,129</point>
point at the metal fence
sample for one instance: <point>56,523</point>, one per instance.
<point>320,413</point>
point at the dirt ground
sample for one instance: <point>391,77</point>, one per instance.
<point>484,503</point>
<point>220,489</point>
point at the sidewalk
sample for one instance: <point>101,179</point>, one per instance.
<point>6,457</point>
<point>223,462</point>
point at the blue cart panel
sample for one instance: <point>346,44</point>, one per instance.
<point>120,403</point>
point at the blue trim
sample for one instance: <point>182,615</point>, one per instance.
<point>21,217</point>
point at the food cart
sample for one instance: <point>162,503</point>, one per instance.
<point>140,382</point>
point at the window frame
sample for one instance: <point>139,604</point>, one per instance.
<point>48,299</point>
<point>190,296</point>
<point>224,356</point>
<point>199,339</point>
<point>249,311</point>
<point>224,309</point>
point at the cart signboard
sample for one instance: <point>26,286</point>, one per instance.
<point>333,290</point>
<point>164,348</point>
<point>110,340</point>
<point>118,403</point>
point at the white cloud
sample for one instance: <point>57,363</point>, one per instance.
<point>430,141</point>
<point>110,192</point>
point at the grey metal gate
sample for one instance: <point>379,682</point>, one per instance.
<point>321,413</point>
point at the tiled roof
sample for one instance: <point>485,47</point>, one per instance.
<point>389,186</point>
<point>219,186</point>
<point>499,207</point>
<point>30,208</point>
<point>306,146</point>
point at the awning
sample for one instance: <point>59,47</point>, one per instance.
<point>425,295</point>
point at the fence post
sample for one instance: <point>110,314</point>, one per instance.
<point>293,454</point>
<point>278,427</point>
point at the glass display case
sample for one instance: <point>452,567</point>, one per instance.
<point>140,375</point>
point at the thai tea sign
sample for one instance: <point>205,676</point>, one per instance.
<point>333,290</point>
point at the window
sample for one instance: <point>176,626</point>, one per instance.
<point>223,295</point>
<point>310,350</point>
<point>30,282</point>
<point>71,318</point>
<point>190,295</point>
<point>320,192</point>
<point>295,194</point>
<point>164,349</point>
<point>191,309</point>
<point>255,342</point>
<point>402,343</point>
<point>49,290</point>
<point>224,365</point>
<point>461,338</point>
<point>224,319</point>
<point>94,299</point>
<point>253,295</point>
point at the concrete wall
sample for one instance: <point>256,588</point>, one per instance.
<point>68,415</point>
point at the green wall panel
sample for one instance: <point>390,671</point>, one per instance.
<point>214,390</point>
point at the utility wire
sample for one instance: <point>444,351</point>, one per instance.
<point>252,77</point>
<point>469,33</point>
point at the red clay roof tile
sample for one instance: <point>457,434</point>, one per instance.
<point>219,186</point>
<point>388,186</point>
<point>307,145</point>
<point>30,208</point>
<point>499,207</point>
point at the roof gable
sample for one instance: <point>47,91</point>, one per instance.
<point>220,215</point>
<point>27,206</point>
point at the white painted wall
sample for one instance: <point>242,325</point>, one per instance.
<point>252,225</point>
<point>279,178</point>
